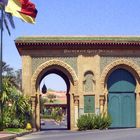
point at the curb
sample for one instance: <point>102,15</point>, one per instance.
<point>23,133</point>
<point>13,136</point>
<point>8,137</point>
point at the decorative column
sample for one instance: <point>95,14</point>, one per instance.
<point>102,103</point>
<point>38,111</point>
<point>76,108</point>
<point>137,105</point>
<point>33,103</point>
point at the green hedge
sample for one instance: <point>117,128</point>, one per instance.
<point>92,121</point>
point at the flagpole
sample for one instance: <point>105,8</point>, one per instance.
<point>1,46</point>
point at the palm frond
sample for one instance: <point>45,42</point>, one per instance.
<point>7,27</point>
<point>1,18</point>
<point>10,18</point>
<point>1,6</point>
<point>1,24</point>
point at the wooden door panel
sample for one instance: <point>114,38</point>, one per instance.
<point>122,109</point>
<point>128,110</point>
<point>115,109</point>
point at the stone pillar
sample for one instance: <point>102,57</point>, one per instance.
<point>26,74</point>
<point>138,107</point>
<point>76,108</point>
<point>38,112</point>
<point>33,102</point>
<point>105,96</point>
<point>102,103</point>
<point>72,113</point>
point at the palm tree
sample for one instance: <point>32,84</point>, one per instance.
<point>16,107</point>
<point>11,96</point>
<point>7,89</point>
<point>13,76</point>
<point>3,20</point>
<point>18,75</point>
<point>5,17</point>
<point>7,70</point>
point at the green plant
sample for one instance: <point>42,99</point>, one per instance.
<point>97,121</point>
<point>51,98</point>
<point>16,107</point>
<point>57,114</point>
<point>1,125</point>
<point>106,121</point>
<point>46,116</point>
<point>92,121</point>
<point>15,130</point>
<point>15,123</point>
<point>85,122</point>
<point>102,121</point>
<point>7,121</point>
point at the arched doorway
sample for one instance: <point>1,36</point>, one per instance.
<point>121,98</point>
<point>55,107</point>
<point>69,76</point>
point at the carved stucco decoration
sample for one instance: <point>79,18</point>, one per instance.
<point>120,63</point>
<point>89,82</point>
<point>37,61</point>
<point>49,63</point>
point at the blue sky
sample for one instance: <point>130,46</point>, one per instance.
<point>54,82</point>
<point>75,17</point>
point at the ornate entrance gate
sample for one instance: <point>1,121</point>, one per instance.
<point>96,68</point>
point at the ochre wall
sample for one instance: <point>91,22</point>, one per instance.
<point>77,64</point>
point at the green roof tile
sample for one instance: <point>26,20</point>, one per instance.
<point>78,38</point>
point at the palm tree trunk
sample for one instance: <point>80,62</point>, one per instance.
<point>1,45</point>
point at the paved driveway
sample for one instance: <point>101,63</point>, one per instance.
<point>51,124</point>
<point>117,134</point>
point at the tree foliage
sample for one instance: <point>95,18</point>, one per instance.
<point>16,106</point>
<point>13,76</point>
<point>51,98</point>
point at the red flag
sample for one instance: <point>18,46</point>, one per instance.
<point>23,9</point>
<point>28,8</point>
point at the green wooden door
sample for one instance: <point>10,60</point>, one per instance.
<point>121,107</point>
<point>128,110</point>
<point>121,100</point>
<point>115,102</point>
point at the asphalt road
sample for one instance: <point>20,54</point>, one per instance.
<point>116,134</point>
<point>52,125</point>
